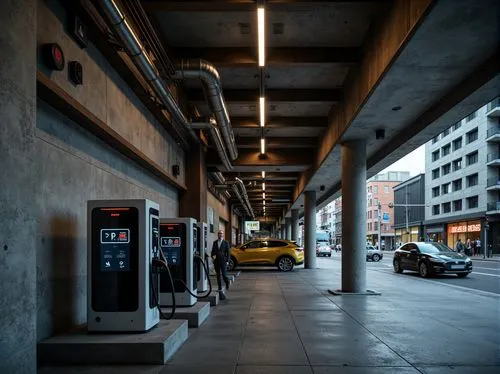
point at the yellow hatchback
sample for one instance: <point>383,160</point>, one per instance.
<point>284,254</point>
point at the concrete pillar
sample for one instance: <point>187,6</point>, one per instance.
<point>18,191</point>
<point>310,229</point>
<point>295,224</point>
<point>283,230</point>
<point>288,228</point>
<point>354,216</point>
<point>193,201</point>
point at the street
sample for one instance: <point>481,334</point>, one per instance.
<point>485,275</point>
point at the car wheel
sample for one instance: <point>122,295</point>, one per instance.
<point>330,255</point>
<point>376,257</point>
<point>423,270</point>
<point>285,263</point>
<point>462,275</point>
<point>231,264</point>
<point>397,266</point>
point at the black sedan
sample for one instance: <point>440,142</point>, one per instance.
<point>430,258</point>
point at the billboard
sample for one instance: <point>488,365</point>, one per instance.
<point>251,226</point>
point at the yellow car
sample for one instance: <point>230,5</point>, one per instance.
<point>284,254</point>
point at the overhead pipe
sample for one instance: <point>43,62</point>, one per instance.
<point>207,73</point>
<point>144,64</point>
<point>238,188</point>
<point>245,195</point>
<point>238,195</point>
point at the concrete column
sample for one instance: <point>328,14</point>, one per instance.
<point>310,229</point>
<point>354,216</point>
<point>18,191</point>
<point>193,201</point>
<point>288,228</point>
<point>283,230</point>
<point>295,224</point>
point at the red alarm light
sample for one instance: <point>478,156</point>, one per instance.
<point>53,56</point>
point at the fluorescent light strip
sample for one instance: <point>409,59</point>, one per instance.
<point>263,186</point>
<point>264,203</point>
<point>262,145</point>
<point>262,36</point>
<point>263,174</point>
<point>262,107</point>
<point>263,195</point>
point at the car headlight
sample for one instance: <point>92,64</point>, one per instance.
<point>437,260</point>
<point>468,259</point>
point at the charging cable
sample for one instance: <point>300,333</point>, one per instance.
<point>162,263</point>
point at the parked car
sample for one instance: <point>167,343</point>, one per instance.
<point>284,254</point>
<point>323,250</point>
<point>373,253</point>
<point>431,258</point>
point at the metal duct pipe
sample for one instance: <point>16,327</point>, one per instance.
<point>217,139</point>
<point>207,73</point>
<point>219,177</point>
<point>142,61</point>
<point>240,198</point>
<point>240,183</point>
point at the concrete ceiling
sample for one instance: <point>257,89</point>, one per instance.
<point>335,72</point>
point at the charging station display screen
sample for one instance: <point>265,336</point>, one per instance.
<point>115,249</point>
<point>115,259</point>
<point>172,243</point>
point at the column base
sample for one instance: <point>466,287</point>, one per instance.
<point>344,293</point>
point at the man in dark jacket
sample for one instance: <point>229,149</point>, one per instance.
<point>220,256</point>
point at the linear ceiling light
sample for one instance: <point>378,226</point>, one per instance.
<point>263,186</point>
<point>264,203</point>
<point>263,195</point>
<point>262,107</point>
<point>262,145</point>
<point>262,36</point>
<point>263,174</point>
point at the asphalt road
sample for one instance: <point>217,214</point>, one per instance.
<point>485,275</point>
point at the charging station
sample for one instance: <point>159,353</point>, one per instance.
<point>122,290</point>
<point>178,241</point>
<point>203,259</point>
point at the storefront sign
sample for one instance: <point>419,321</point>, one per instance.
<point>252,226</point>
<point>476,227</point>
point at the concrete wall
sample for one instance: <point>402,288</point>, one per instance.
<point>73,166</point>
<point>18,198</point>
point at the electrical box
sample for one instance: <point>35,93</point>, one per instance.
<point>122,291</point>
<point>178,241</point>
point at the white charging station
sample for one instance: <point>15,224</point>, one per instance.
<point>123,238</point>
<point>203,253</point>
<point>178,241</point>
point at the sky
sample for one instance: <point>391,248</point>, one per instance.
<point>413,162</point>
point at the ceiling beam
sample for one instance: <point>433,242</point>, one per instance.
<point>290,142</point>
<point>271,178</point>
<point>252,96</point>
<point>274,157</point>
<point>280,122</point>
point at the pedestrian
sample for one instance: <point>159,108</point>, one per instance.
<point>220,257</point>
<point>468,247</point>
<point>459,247</point>
<point>478,246</point>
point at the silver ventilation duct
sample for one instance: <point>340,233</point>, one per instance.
<point>238,195</point>
<point>238,188</point>
<point>207,73</point>
<point>240,183</point>
<point>217,139</point>
<point>219,177</point>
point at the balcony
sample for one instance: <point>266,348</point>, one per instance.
<point>493,135</point>
<point>493,159</point>
<point>493,109</point>
<point>493,184</point>
<point>493,208</point>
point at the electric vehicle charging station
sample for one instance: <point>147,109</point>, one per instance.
<point>178,241</point>
<point>122,290</point>
<point>203,255</point>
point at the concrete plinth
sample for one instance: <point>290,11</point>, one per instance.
<point>195,315</point>
<point>81,348</point>
<point>213,298</point>
<point>344,293</point>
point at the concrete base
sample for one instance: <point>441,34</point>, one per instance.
<point>195,315</point>
<point>343,293</point>
<point>81,348</point>
<point>213,298</point>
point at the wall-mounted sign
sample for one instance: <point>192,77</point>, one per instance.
<point>251,226</point>
<point>464,227</point>
<point>386,218</point>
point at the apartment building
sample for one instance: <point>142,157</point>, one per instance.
<point>409,210</point>
<point>463,180</point>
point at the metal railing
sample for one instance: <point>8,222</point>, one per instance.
<point>495,181</point>
<point>493,206</point>
<point>493,104</point>
<point>492,157</point>
<point>493,131</point>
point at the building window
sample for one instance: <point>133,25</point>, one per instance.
<point>457,205</point>
<point>472,158</point>
<point>457,184</point>
<point>435,155</point>
<point>435,191</point>
<point>472,136</point>
<point>435,139</point>
<point>446,150</point>
<point>435,173</point>
<point>472,180</point>
<point>386,189</point>
<point>446,207</point>
<point>445,188</point>
<point>446,169</point>
<point>375,189</point>
<point>457,164</point>
<point>375,201</point>
<point>375,226</point>
<point>472,202</point>
<point>471,116</point>
<point>375,213</point>
<point>435,210</point>
<point>457,125</point>
<point>457,143</point>
<point>446,132</point>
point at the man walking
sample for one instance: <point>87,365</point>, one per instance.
<point>220,256</point>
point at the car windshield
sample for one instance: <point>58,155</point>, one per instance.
<point>433,248</point>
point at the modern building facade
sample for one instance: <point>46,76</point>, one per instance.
<point>409,212</point>
<point>379,198</point>
<point>337,204</point>
<point>463,180</point>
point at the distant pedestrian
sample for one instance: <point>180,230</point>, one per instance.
<point>478,246</point>
<point>459,247</point>
<point>220,256</point>
<point>468,247</point>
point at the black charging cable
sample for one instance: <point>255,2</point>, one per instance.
<point>205,268</point>
<point>162,263</point>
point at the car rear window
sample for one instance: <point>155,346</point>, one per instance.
<point>276,243</point>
